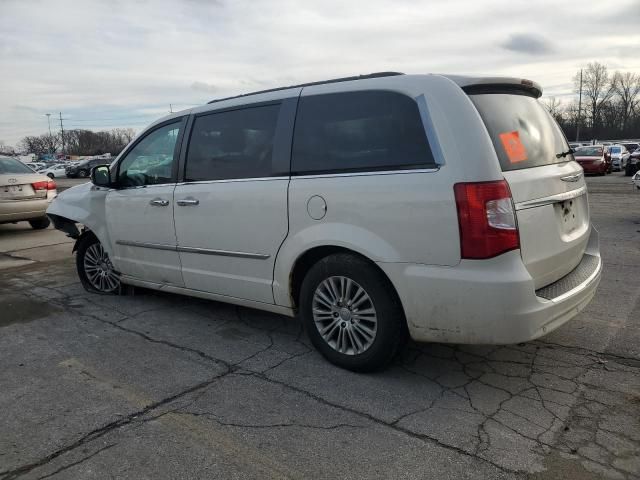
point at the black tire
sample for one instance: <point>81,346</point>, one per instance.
<point>83,173</point>
<point>85,244</point>
<point>391,328</point>
<point>40,223</point>
<point>51,175</point>
<point>628,171</point>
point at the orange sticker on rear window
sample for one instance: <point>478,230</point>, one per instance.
<point>513,147</point>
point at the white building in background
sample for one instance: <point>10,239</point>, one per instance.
<point>28,158</point>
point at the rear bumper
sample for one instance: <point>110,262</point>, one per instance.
<point>15,211</point>
<point>490,301</point>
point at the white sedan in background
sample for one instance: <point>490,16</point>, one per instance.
<point>54,171</point>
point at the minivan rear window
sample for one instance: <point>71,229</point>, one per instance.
<point>523,133</point>
<point>359,131</point>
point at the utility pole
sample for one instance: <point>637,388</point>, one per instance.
<point>61,133</point>
<point>170,108</point>
<point>49,122</point>
<point>579,108</point>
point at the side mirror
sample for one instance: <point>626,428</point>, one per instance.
<point>101,176</point>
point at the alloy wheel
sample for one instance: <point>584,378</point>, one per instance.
<point>344,315</point>
<point>99,269</point>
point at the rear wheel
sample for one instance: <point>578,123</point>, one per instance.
<point>40,223</point>
<point>94,267</point>
<point>351,313</point>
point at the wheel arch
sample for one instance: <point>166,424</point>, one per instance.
<point>310,257</point>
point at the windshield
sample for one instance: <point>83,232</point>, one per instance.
<point>589,152</point>
<point>522,131</point>
<point>12,166</point>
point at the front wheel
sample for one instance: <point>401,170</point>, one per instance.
<point>83,174</point>
<point>351,313</point>
<point>95,270</point>
<point>50,175</point>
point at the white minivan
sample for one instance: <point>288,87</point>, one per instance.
<point>444,207</point>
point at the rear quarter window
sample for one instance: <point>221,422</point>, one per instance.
<point>523,133</point>
<point>359,131</point>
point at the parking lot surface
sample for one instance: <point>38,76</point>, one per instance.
<point>161,386</point>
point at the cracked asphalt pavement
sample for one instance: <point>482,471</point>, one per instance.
<point>162,386</point>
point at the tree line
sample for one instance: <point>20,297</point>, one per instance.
<point>78,142</point>
<point>610,106</point>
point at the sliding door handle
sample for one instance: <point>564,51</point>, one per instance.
<point>159,202</point>
<point>188,202</point>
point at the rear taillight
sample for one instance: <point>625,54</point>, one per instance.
<point>487,219</point>
<point>44,185</point>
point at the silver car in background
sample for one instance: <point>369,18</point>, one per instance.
<point>24,194</point>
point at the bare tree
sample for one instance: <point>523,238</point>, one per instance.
<point>555,109</point>
<point>79,142</point>
<point>597,89</point>
<point>627,88</point>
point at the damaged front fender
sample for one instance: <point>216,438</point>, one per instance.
<point>85,205</point>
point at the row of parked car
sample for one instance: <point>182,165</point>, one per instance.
<point>601,159</point>
<point>81,169</point>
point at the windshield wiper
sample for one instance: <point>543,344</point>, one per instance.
<point>564,154</point>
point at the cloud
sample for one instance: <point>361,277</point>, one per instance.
<point>204,87</point>
<point>528,43</point>
<point>104,63</point>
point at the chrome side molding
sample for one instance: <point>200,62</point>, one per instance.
<point>203,251</point>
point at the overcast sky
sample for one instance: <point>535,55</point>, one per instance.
<point>121,63</point>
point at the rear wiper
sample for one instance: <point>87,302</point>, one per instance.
<point>564,154</point>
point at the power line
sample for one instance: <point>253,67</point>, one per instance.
<point>72,119</point>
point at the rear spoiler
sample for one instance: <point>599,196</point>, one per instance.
<point>509,88</point>
<point>478,85</point>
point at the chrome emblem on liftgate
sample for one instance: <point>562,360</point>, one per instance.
<point>13,180</point>
<point>572,178</point>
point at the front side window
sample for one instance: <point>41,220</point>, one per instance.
<point>150,162</point>
<point>232,144</point>
<point>359,131</point>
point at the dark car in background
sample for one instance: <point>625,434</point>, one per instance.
<point>83,168</point>
<point>594,159</point>
<point>633,164</point>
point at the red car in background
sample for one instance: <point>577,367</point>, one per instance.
<point>594,159</point>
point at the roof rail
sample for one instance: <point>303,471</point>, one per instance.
<point>321,82</point>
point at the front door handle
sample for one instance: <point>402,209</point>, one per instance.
<point>159,202</point>
<point>187,202</point>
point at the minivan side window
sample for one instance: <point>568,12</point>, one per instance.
<point>150,161</point>
<point>359,131</point>
<point>232,144</point>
